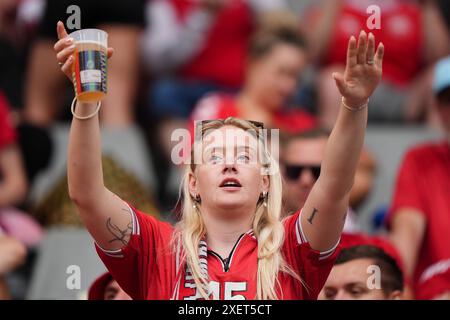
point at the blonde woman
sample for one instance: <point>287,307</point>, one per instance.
<point>230,242</point>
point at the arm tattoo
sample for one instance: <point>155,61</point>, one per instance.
<point>311,217</point>
<point>120,235</point>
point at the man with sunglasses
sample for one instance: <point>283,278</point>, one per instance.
<point>301,157</point>
<point>419,217</point>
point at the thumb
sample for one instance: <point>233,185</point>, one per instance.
<point>340,82</point>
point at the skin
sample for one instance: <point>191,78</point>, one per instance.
<point>302,152</point>
<point>12,255</point>
<point>114,292</point>
<point>348,281</point>
<point>229,211</point>
<point>270,81</point>
<point>225,220</point>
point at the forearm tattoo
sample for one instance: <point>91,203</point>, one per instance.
<point>313,214</point>
<point>121,235</point>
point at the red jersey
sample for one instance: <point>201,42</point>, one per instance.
<point>423,183</point>
<point>222,58</point>
<point>149,267</point>
<point>222,106</point>
<point>401,32</point>
<point>7,132</point>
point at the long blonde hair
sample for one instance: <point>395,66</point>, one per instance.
<point>267,226</point>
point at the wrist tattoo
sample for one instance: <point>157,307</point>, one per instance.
<point>313,214</point>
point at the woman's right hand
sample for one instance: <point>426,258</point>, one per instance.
<point>65,48</point>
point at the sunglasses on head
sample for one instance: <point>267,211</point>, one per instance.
<point>200,123</point>
<point>293,172</point>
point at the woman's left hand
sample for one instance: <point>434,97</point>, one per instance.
<point>363,70</point>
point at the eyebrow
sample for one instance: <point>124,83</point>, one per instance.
<point>238,148</point>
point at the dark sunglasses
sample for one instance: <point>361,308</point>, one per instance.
<point>295,171</point>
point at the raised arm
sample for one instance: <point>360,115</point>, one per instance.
<point>104,214</point>
<point>325,209</point>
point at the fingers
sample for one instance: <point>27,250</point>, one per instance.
<point>370,48</point>
<point>61,30</point>
<point>379,55</point>
<point>61,44</point>
<point>351,52</point>
<point>362,47</point>
<point>64,54</point>
<point>67,66</point>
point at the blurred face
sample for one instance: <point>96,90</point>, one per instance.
<point>274,77</point>
<point>114,292</point>
<point>229,180</point>
<point>443,102</point>
<point>300,169</point>
<point>348,281</point>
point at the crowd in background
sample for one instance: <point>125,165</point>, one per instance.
<point>179,61</point>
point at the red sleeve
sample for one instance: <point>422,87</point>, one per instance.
<point>144,260</point>
<point>407,190</point>
<point>312,266</point>
<point>7,133</point>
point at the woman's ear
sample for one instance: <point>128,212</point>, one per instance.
<point>265,184</point>
<point>192,185</point>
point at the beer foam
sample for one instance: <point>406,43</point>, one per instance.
<point>90,42</point>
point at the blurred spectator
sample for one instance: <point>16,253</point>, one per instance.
<point>195,47</point>
<point>12,255</point>
<point>13,183</point>
<point>415,36</point>
<point>276,59</point>
<point>44,89</point>
<point>106,288</point>
<point>301,157</point>
<point>420,214</point>
<point>349,278</point>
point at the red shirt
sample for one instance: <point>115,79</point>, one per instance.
<point>222,58</point>
<point>222,106</point>
<point>150,268</point>
<point>7,133</point>
<point>423,183</point>
<point>401,33</point>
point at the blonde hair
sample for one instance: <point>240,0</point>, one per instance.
<point>267,226</point>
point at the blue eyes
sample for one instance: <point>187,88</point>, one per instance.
<point>218,159</point>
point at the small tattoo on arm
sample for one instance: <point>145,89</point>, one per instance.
<point>311,217</point>
<point>120,235</point>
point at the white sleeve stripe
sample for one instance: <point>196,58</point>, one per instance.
<point>301,235</point>
<point>136,227</point>
<point>301,238</point>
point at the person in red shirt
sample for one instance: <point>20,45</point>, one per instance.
<point>230,242</point>
<point>106,288</point>
<point>353,276</point>
<point>276,58</point>
<point>13,182</point>
<point>419,217</point>
<point>416,37</point>
<point>12,190</point>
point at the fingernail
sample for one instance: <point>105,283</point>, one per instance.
<point>69,40</point>
<point>72,47</point>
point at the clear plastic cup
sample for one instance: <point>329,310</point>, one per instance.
<point>89,69</point>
